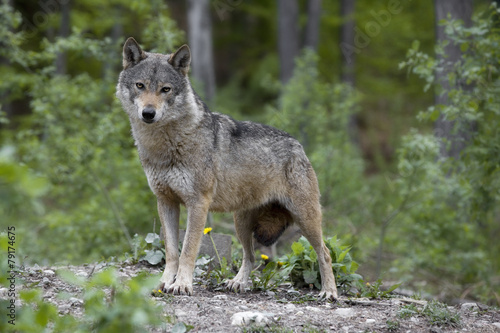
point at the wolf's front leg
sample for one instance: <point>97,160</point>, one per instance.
<point>169,217</point>
<point>197,216</point>
<point>243,225</point>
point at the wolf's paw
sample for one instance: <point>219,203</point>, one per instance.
<point>236,285</point>
<point>328,295</point>
<point>179,289</point>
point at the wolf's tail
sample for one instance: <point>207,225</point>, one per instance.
<point>272,220</point>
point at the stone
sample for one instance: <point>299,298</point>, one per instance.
<point>370,321</point>
<point>469,307</point>
<point>497,326</point>
<point>49,272</point>
<point>221,297</point>
<point>290,307</point>
<point>222,242</point>
<point>312,309</point>
<point>250,318</point>
<point>344,312</point>
<point>75,301</point>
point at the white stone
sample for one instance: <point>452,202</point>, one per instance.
<point>344,312</point>
<point>497,325</point>
<point>290,307</point>
<point>469,307</point>
<point>299,313</point>
<point>220,297</point>
<point>249,318</point>
<point>75,301</point>
<point>371,321</point>
<point>312,309</point>
<point>81,273</point>
<point>49,272</point>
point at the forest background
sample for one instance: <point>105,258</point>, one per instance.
<point>397,104</point>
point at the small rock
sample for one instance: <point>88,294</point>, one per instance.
<point>75,301</point>
<point>497,325</point>
<point>180,313</point>
<point>81,273</point>
<point>299,313</point>
<point>49,272</point>
<point>371,321</point>
<point>249,318</point>
<point>221,297</point>
<point>469,307</point>
<point>45,281</point>
<point>312,309</point>
<point>270,293</point>
<point>290,307</point>
<point>344,312</point>
<point>3,293</point>
<point>244,307</point>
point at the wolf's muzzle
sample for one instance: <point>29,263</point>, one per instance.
<point>148,115</point>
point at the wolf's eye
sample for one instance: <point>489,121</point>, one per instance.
<point>139,85</point>
<point>166,89</point>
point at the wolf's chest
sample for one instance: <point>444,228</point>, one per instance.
<point>164,178</point>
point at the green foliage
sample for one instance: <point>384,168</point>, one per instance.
<point>111,305</point>
<point>303,262</point>
<point>392,325</point>
<point>438,314</point>
<point>156,252</point>
<point>75,147</point>
<point>271,277</point>
<point>373,290</point>
<point>435,312</point>
<point>408,311</point>
<point>455,202</point>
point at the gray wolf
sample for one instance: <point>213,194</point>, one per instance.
<point>209,162</point>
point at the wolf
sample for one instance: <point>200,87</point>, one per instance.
<point>207,161</point>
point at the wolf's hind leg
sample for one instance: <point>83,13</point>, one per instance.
<point>243,222</point>
<point>307,211</point>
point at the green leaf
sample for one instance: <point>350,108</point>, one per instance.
<point>297,248</point>
<point>179,328</point>
<point>310,276</point>
<point>313,256</point>
<point>154,257</point>
<point>151,237</point>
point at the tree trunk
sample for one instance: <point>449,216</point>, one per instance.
<point>200,42</point>
<point>453,141</point>
<point>349,60</point>
<point>64,31</point>
<point>288,37</point>
<point>312,27</point>
<point>347,37</point>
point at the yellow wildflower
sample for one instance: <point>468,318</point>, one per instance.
<point>263,256</point>
<point>159,290</point>
<point>207,230</point>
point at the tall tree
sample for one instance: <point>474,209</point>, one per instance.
<point>200,42</point>
<point>288,37</point>
<point>64,31</point>
<point>347,38</point>
<point>349,60</point>
<point>312,28</point>
<point>446,129</point>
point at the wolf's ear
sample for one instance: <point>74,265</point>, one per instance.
<point>181,59</point>
<point>132,53</point>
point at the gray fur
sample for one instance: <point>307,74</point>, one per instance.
<point>211,162</point>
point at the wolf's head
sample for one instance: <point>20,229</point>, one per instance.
<point>154,88</point>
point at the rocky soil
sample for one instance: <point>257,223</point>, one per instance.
<point>284,310</point>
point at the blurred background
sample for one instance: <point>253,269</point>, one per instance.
<point>397,104</point>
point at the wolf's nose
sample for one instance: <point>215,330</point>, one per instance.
<point>148,114</point>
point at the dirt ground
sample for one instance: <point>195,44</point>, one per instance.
<point>284,310</point>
